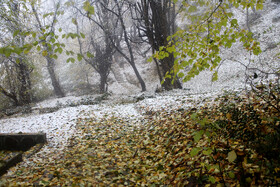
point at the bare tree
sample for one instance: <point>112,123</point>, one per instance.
<point>99,41</point>
<point>102,59</point>
<point>130,59</point>
<point>116,10</point>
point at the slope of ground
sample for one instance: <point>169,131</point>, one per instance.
<point>173,138</point>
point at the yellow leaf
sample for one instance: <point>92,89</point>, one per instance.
<point>45,53</point>
<point>231,156</point>
<point>228,115</point>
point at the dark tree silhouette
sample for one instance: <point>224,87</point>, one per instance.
<point>156,20</point>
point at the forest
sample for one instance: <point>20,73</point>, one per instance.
<point>142,92</point>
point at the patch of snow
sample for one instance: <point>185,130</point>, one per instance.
<point>58,126</point>
<point>54,102</point>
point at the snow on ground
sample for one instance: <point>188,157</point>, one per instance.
<point>60,125</point>
<point>60,101</point>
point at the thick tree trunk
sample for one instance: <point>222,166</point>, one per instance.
<point>103,83</point>
<point>56,86</point>
<point>25,83</point>
<point>167,64</point>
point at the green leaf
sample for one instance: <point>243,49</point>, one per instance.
<point>60,50</point>
<point>207,152</point>
<point>234,22</point>
<point>198,136</point>
<point>88,8</point>
<point>45,15</point>
<point>194,151</point>
<point>74,21</point>
<point>82,35</point>
<point>52,40</point>
<point>79,57</point>
<point>215,76</point>
<point>55,56</point>
<point>72,35</point>
<point>70,60</point>
<point>192,9</point>
<point>45,53</point>
<point>60,29</point>
<point>35,43</point>
<point>1,50</point>
<point>212,179</point>
<point>168,76</point>
<point>257,51</point>
<point>17,50</point>
<point>15,33</point>
<point>231,156</point>
<point>7,52</point>
<point>150,59</point>
<point>259,6</point>
<point>34,34</point>
<point>181,75</point>
<point>194,116</point>
<point>231,175</point>
<point>89,55</point>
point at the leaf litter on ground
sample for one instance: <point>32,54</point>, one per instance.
<point>164,146</point>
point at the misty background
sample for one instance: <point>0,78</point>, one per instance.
<point>93,47</point>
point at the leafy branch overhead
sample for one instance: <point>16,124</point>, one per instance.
<point>45,36</point>
<point>88,8</point>
<point>199,45</point>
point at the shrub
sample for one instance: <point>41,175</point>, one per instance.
<point>252,121</point>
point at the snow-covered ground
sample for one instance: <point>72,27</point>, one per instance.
<point>61,125</point>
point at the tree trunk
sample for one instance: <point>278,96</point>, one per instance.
<point>167,64</point>
<point>158,21</point>
<point>57,88</point>
<point>25,83</point>
<point>158,70</point>
<point>50,62</point>
<point>10,95</point>
<point>103,82</point>
<point>141,81</point>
